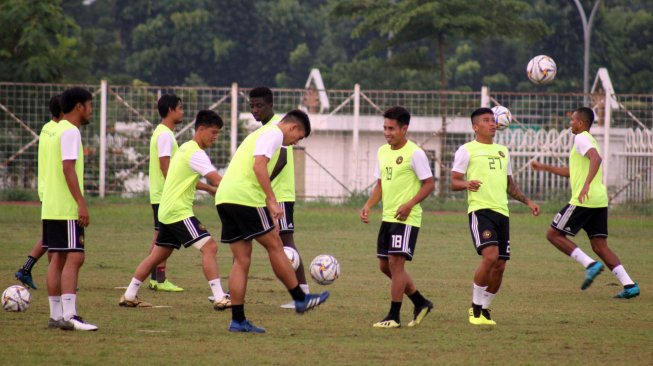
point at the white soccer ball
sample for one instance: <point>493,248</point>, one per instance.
<point>541,69</point>
<point>293,257</point>
<point>16,298</point>
<point>502,116</point>
<point>325,269</point>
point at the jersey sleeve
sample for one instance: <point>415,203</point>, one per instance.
<point>71,140</point>
<point>460,160</point>
<point>420,165</point>
<point>201,163</point>
<point>164,144</point>
<point>268,142</point>
<point>582,144</point>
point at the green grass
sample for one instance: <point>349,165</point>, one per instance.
<point>543,317</point>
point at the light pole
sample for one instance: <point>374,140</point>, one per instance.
<point>587,32</point>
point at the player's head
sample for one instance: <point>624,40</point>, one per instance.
<point>395,125</point>
<point>170,106</point>
<point>207,127</point>
<point>55,107</point>
<point>483,123</point>
<point>581,120</point>
<point>261,104</point>
<point>295,126</point>
<point>76,103</point>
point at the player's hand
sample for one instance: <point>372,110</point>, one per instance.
<point>535,208</point>
<point>474,185</point>
<point>584,193</point>
<point>403,211</point>
<point>365,215</point>
<point>83,217</point>
<point>212,190</point>
<point>275,211</point>
<point>537,166</point>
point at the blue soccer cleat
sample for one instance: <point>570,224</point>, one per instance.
<point>629,292</point>
<point>591,272</point>
<point>25,278</point>
<point>311,301</point>
<point>244,327</point>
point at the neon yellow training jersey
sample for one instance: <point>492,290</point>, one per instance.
<point>180,186</point>
<point>156,176</point>
<point>579,167</point>
<point>284,184</point>
<point>45,139</point>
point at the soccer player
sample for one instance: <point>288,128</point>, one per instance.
<point>248,209</point>
<point>483,169</point>
<point>588,207</point>
<point>163,146</point>
<point>261,103</point>
<point>64,212</point>
<point>403,180</point>
<point>177,223</point>
<point>24,273</point>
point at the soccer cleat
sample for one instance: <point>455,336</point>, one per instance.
<point>77,323</point>
<point>481,320</point>
<point>222,304</point>
<point>591,272</point>
<point>56,324</point>
<point>387,324</point>
<point>25,278</point>
<point>290,305</point>
<point>629,292</point>
<point>135,303</point>
<point>245,327</point>
<point>311,301</point>
<point>152,285</point>
<point>420,313</point>
<point>165,286</point>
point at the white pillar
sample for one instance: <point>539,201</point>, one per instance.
<point>355,137</point>
<point>606,136</point>
<point>485,97</point>
<point>234,118</point>
<point>103,136</point>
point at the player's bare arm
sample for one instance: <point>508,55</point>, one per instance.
<point>214,181</point>
<point>73,186</point>
<point>557,170</point>
<point>516,193</point>
<point>164,163</point>
<point>458,183</point>
<point>261,172</point>
<point>428,185</point>
<point>375,197</point>
<point>595,163</point>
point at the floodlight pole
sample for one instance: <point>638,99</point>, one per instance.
<point>587,33</point>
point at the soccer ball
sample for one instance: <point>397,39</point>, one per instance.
<point>325,269</point>
<point>502,116</point>
<point>15,298</point>
<point>541,69</point>
<point>293,257</point>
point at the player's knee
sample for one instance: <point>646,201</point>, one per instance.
<point>552,234</point>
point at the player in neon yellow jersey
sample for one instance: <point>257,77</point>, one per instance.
<point>483,169</point>
<point>403,180</point>
<point>261,103</point>
<point>24,273</point>
<point>587,208</point>
<point>178,224</point>
<point>163,146</point>
<point>64,211</point>
<point>248,209</point>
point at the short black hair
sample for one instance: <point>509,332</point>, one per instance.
<point>300,117</point>
<point>585,114</point>
<point>71,97</point>
<point>55,106</point>
<point>399,114</point>
<point>262,92</point>
<point>481,111</point>
<point>208,118</point>
<point>167,102</point>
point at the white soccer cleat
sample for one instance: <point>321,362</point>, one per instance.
<point>77,323</point>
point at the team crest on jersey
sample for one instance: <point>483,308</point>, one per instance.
<point>501,154</point>
<point>399,160</point>
<point>487,234</point>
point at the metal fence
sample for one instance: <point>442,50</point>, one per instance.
<point>338,159</point>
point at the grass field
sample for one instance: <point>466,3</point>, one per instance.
<point>543,317</point>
